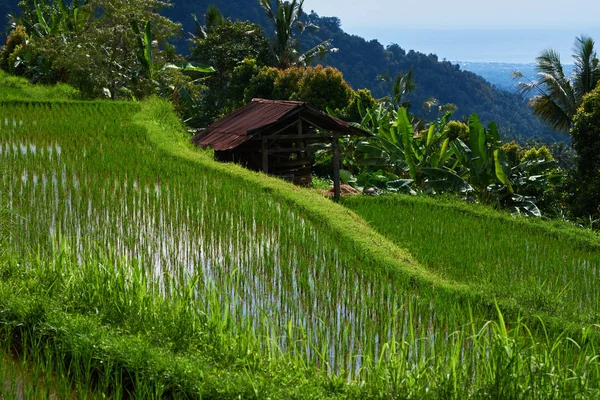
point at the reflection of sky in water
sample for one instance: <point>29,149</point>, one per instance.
<point>266,272</point>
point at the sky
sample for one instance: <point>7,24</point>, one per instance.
<point>468,30</point>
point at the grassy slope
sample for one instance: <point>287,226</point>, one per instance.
<point>368,248</point>
<point>30,309</point>
<point>544,268</point>
<point>15,88</point>
<point>353,232</point>
<point>383,247</point>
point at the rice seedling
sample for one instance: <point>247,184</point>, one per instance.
<point>192,260</point>
<point>544,268</point>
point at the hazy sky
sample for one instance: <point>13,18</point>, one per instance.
<point>515,31</point>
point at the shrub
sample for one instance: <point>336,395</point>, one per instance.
<point>540,153</point>
<point>321,87</point>
<point>324,88</point>
<point>458,130</point>
<point>366,100</point>
<point>14,45</point>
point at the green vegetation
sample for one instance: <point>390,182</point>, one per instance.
<point>362,62</point>
<point>287,17</point>
<point>134,266</point>
<point>143,262</point>
<point>15,88</point>
<point>408,155</point>
<point>545,268</point>
<point>585,178</point>
<point>556,96</point>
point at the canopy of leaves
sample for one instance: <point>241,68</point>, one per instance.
<point>557,96</point>
<point>97,46</point>
<point>321,87</point>
<point>585,200</point>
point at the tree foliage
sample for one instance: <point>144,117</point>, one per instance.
<point>286,18</point>
<point>585,181</point>
<point>67,42</point>
<point>322,87</point>
<point>225,46</point>
<point>556,96</point>
<point>363,61</point>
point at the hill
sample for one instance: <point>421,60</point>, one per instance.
<point>364,62</point>
<point>141,268</point>
<point>6,7</point>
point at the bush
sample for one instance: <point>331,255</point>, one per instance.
<point>458,130</point>
<point>540,153</point>
<point>321,87</point>
<point>15,43</point>
<point>324,88</point>
<point>367,101</point>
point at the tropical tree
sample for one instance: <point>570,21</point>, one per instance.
<point>585,180</point>
<point>286,18</point>
<point>225,45</point>
<point>212,19</point>
<point>556,96</point>
<point>101,47</point>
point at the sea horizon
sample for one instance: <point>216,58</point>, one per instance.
<point>517,46</point>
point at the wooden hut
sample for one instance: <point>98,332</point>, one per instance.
<point>273,136</point>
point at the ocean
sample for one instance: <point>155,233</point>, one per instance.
<point>480,45</point>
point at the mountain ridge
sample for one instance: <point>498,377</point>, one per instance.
<point>363,62</point>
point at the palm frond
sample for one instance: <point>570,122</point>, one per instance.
<point>586,73</point>
<point>320,50</point>
<point>213,17</point>
<point>550,112</point>
<point>266,5</point>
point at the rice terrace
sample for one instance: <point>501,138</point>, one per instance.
<point>166,228</point>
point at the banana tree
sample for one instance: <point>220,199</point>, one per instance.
<point>55,18</point>
<point>483,160</point>
<point>153,70</point>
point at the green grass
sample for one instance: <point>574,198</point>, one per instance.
<point>545,268</point>
<point>15,88</point>
<point>136,249</point>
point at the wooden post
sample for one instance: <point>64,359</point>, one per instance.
<point>265,156</point>
<point>336,168</point>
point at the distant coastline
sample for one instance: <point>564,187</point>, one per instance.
<point>500,74</point>
<point>520,46</point>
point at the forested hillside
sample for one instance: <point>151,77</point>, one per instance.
<point>6,7</point>
<point>364,62</point>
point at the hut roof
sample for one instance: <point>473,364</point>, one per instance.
<point>258,116</point>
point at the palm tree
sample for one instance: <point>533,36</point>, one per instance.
<point>558,97</point>
<point>213,19</point>
<point>286,18</point>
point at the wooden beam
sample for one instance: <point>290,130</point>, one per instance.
<point>304,137</point>
<point>271,135</point>
<point>294,163</point>
<point>336,168</point>
<point>265,156</point>
<point>313,124</point>
<point>291,150</point>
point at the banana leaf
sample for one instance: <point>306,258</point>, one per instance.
<point>501,165</point>
<point>444,180</point>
